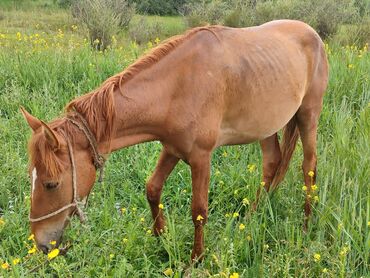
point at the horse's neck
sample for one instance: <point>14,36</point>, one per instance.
<point>139,114</point>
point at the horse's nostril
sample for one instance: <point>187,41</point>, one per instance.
<point>44,248</point>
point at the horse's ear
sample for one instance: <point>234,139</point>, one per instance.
<point>50,136</point>
<point>32,121</point>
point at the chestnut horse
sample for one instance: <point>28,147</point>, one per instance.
<point>210,87</point>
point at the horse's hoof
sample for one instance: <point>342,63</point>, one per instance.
<point>197,257</point>
<point>158,230</point>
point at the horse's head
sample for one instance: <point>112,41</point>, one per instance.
<point>51,172</point>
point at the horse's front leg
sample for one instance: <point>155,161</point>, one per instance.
<point>200,172</point>
<point>164,167</point>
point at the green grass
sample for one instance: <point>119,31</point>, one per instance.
<point>44,75</point>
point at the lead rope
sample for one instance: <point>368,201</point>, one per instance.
<point>99,160</point>
<point>77,203</point>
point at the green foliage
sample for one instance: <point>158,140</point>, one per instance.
<point>44,76</point>
<point>103,18</point>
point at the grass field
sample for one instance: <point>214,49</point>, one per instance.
<point>45,62</point>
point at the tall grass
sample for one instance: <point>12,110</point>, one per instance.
<point>44,72</point>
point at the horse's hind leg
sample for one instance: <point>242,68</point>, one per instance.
<point>164,167</point>
<point>307,120</point>
<point>271,158</point>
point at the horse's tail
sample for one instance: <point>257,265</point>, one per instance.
<point>290,137</point>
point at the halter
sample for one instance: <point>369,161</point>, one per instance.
<point>99,162</point>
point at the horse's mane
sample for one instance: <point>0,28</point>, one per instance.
<point>98,105</point>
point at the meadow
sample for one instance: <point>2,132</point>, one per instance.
<point>46,60</point>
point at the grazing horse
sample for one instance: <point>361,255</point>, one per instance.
<point>210,87</point>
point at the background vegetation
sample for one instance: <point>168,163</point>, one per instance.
<point>46,59</point>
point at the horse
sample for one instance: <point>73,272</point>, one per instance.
<point>210,87</point>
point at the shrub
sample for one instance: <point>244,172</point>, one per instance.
<point>141,31</point>
<point>204,12</point>
<point>159,7</point>
<point>102,18</point>
<point>63,3</point>
<point>357,34</point>
<point>323,15</point>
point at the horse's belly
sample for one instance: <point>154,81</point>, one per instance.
<point>248,124</point>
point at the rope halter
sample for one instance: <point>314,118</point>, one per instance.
<point>99,162</point>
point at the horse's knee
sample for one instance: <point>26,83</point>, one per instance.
<point>270,168</point>
<point>309,162</point>
<point>199,214</point>
<point>153,193</point>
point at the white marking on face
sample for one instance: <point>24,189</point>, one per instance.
<point>34,177</point>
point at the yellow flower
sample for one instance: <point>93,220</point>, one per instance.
<point>314,187</point>
<point>368,223</point>
<point>111,256</point>
<point>316,257</point>
<point>251,168</point>
<point>351,66</point>
<point>31,237</point>
<point>224,154</point>
<point>263,183</point>
<point>53,253</point>
<point>199,218</point>
<point>266,246</point>
<point>168,272</point>
<point>217,173</point>
<point>142,219</point>
<point>123,210</point>
<point>304,188</point>
<point>227,215</point>
<point>53,242</point>
<point>311,173</point>
<point>157,40</point>
<point>5,266</point>
<point>234,275</point>
<point>249,238</point>
<point>324,270</point>
<point>125,240</point>
<point>149,232</point>
<point>32,250</point>
<point>161,206</point>
<point>245,201</point>
<point>2,222</point>
<point>16,261</point>
<point>316,198</point>
<point>344,251</point>
<point>235,214</point>
<point>241,227</point>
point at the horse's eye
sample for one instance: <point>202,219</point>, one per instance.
<point>50,185</point>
